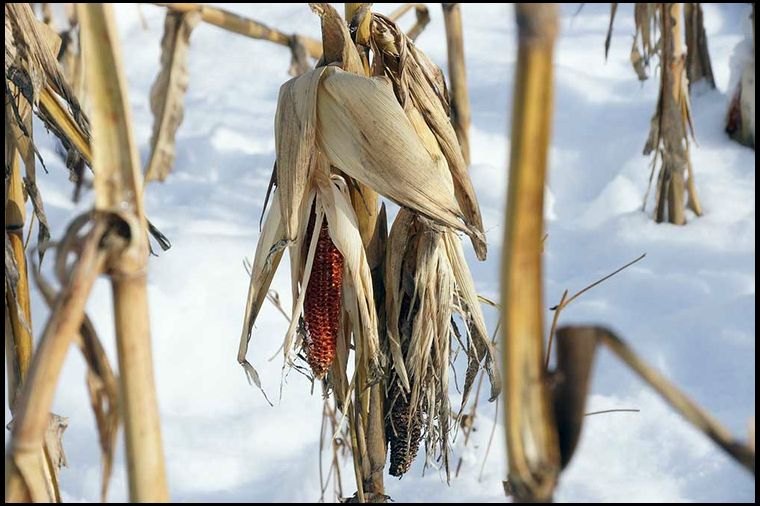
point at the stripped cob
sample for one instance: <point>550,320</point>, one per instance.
<point>322,304</point>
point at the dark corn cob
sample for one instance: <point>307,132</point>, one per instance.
<point>323,302</point>
<point>402,433</point>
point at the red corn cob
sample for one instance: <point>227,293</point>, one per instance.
<point>323,302</point>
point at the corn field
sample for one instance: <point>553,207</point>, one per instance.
<point>442,212</point>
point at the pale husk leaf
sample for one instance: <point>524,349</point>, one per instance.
<point>472,313</point>
<point>365,133</point>
<point>295,133</point>
<point>344,233</point>
<point>269,250</point>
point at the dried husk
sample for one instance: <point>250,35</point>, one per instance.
<point>419,84</point>
<point>427,281</point>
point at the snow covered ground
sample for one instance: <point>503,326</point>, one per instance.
<point>688,307</point>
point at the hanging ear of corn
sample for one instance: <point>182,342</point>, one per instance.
<point>419,84</point>
<point>322,304</point>
<point>168,91</point>
<point>398,242</point>
<point>427,280</point>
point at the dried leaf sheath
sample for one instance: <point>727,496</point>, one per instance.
<point>322,305</point>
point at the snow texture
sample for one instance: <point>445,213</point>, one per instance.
<point>688,307</point>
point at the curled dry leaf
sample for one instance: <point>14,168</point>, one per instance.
<point>168,91</point>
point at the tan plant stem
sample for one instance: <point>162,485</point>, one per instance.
<point>119,192</point>
<point>369,399</point>
<point>672,129</point>
<point>532,442</point>
<point>33,410</point>
<point>460,100</point>
<point>244,26</point>
<point>422,18</point>
<point>21,337</point>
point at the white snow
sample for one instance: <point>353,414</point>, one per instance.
<point>687,308</point>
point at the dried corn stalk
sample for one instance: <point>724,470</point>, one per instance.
<point>698,65</point>
<point>460,101</point>
<point>671,124</point>
<point>422,18</point>
<point>532,442</point>
<point>168,92</point>
<point>119,192</point>
<point>102,384</point>
<point>300,46</point>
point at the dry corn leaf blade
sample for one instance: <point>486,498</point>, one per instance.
<point>266,259</point>
<point>168,91</point>
<point>29,55</point>
<point>365,133</point>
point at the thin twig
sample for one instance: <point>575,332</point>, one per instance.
<point>565,302</point>
<point>605,278</point>
<point>554,327</point>
<point>490,440</point>
<point>632,410</point>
